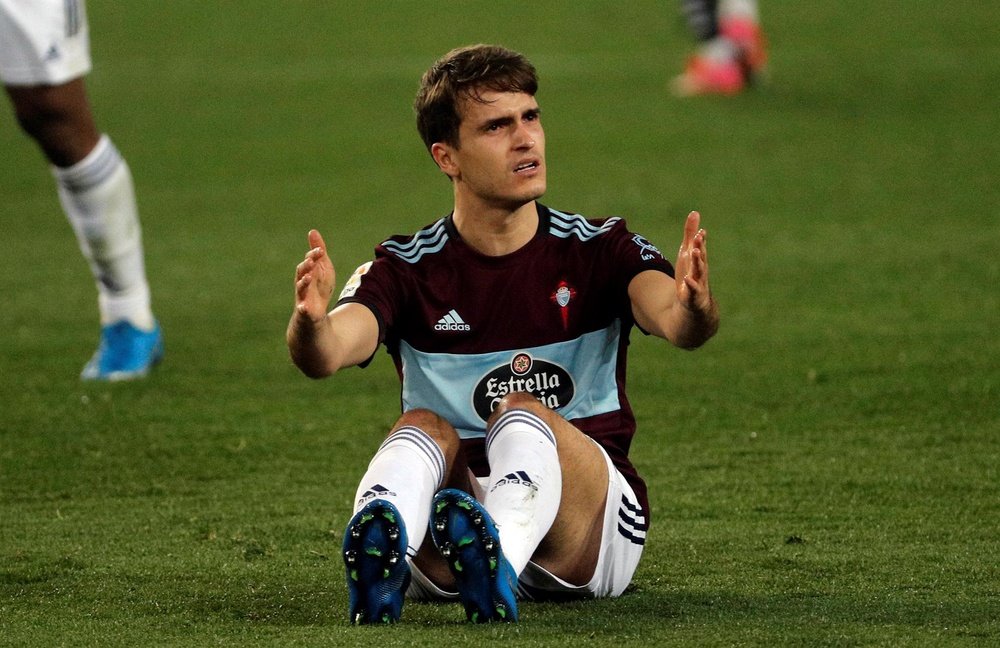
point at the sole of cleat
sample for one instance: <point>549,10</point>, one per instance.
<point>466,537</point>
<point>374,554</point>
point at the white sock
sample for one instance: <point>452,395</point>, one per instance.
<point>525,485</point>
<point>719,49</point>
<point>407,471</point>
<point>744,9</point>
<point>98,197</point>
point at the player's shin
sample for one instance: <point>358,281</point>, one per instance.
<point>525,485</point>
<point>98,197</point>
<point>406,471</point>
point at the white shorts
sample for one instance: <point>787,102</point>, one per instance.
<point>621,548</point>
<point>43,42</point>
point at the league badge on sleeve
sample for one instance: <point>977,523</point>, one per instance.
<point>647,250</point>
<point>354,282</point>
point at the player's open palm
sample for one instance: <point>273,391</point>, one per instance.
<point>315,279</point>
<point>691,269</point>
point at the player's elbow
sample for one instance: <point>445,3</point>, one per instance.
<point>316,373</point>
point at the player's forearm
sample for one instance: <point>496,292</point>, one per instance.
<point>691,328</point>
<point>313,346</point>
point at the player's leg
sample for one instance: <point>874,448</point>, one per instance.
<point>702,18</point>
<point>739,22</point>
<point>731,49</point>
<point>584,542</point>
<point>392,507</point>
<point>58,118</point>
<point>43,57</point>
<point>544,502</point>
<point>553,517</point>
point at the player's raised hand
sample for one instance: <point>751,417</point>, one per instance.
<point>315,279</point>
<point>691,269</point>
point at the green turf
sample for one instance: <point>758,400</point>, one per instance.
<point>824,472</point>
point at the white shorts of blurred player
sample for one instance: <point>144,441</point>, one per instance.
<point>43,42</point>
<point>621,548</point>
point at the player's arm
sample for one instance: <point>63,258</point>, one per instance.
<point>681,309</point>
<point>321,343</point>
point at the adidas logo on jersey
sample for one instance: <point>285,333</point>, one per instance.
<point>452,322</point>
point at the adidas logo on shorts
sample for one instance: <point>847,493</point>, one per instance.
<point>452,321</point>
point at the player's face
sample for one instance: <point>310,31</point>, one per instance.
<point>501,154</point>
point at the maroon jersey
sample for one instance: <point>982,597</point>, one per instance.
<point>552,319</point>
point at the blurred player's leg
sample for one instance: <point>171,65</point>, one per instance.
<point>732,51</point>
<point>701,18</point>
<point>44,54</point>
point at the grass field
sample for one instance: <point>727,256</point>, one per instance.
<point>824,472</point>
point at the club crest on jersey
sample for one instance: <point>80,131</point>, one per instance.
<point>561,298</point>
<point>647,250</point>
<point>548,382</point>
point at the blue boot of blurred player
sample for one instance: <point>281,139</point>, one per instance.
<point>124,353</point>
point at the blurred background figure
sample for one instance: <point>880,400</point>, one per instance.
<point>732,50</point>
<point>44,55</point>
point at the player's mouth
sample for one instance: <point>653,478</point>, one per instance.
<point>529,167</point>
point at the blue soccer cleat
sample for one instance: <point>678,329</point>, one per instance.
<point>375,558</point>
<point>468,540</point>
<point>124,353</point>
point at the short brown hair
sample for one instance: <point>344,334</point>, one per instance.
<point>463,73</point>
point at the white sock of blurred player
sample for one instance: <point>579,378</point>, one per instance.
<point>98,197</point>
<point>525,484</point>
<point>407,471</point>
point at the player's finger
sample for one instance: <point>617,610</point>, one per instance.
<point>691,227</point>
<point>697,268</point>
<point>302,286</point>
<point>316,240</point>
<point>303,268</point>
<point>701,242</point>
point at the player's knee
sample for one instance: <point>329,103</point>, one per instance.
<point>519,401</point>
<point>431,424</point>
<point>62,127</point>
<point>33,118</point>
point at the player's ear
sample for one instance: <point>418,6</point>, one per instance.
<point>444,156</point>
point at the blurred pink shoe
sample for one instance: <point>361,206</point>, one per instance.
<point>708,76</point>
<point>751,44</point>
<point>727,64</point>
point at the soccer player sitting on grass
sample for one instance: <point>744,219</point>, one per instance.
<point>508,322</point>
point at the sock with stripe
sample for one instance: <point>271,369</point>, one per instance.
<point>98,197</point>
<point>701,18</point>
<point>525,484</point>
<point>407,471</point>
